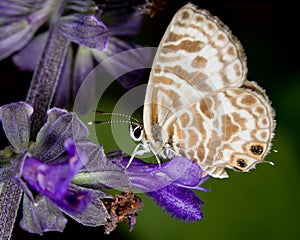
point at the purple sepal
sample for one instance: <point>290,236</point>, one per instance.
<point>99,172</point>
<point>15,122</point>
<point>41,216</point>
<point>60,126</point>
<point>27,59</point>
<point>86,30</point>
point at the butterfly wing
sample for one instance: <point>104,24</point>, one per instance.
<point>197,56</point>
<point>232,128</point>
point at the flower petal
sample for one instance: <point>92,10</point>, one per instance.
<point>74,201</point>
<point>27,59</point>
<point>141,174</point>
<point>15,122</point>
<point>129,66</point>
<point>63,90</point>
<point>49,180</point>
<point>95,213</point>
<point>53,180</point>
<point>179,202</point>
<point>185,173</point>
<point>151,177</point>
<point>85,30</point>
<point>60,126</point>
<point>83,65</point>
<point>20,24</point>
<point>14,36</point>
<point>41,216</point>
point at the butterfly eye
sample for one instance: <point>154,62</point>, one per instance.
<point>137,133</point>
<point>241,163</point>
<point>257,149</point>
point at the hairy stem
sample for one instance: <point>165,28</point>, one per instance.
<point>10,198</point>
<point>45,79</point>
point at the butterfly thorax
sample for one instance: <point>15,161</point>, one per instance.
<point>158,143</point>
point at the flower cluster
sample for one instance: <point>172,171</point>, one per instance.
<point>44,169</point>
<point>64,172</point>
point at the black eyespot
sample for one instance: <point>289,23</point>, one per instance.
<point>137,132</point>
<point>241,163</point>
<point>257,149</point>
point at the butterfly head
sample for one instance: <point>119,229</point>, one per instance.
<point>246,161</point>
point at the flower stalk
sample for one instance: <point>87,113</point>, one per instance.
<point>46,77</point>
<point>10,198</point>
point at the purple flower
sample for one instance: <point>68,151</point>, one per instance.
<point>169,184</point>
<point>45,169</point>
<point>53,181</point>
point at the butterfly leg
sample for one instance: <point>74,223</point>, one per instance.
<point>144,149</point>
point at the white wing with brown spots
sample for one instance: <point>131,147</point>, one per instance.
<point>197,55</point>
<point>198,103</point>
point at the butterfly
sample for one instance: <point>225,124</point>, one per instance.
<point>198,103</point>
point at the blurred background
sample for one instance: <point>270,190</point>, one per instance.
<point>261,204</point>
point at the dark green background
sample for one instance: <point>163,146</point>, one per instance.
<point>262,204</point>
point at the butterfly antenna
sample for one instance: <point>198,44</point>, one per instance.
<point>113,121</point>
<point>117,114</point>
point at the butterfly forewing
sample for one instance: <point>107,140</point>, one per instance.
<point>198,55</point>
<point>193,105</point>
